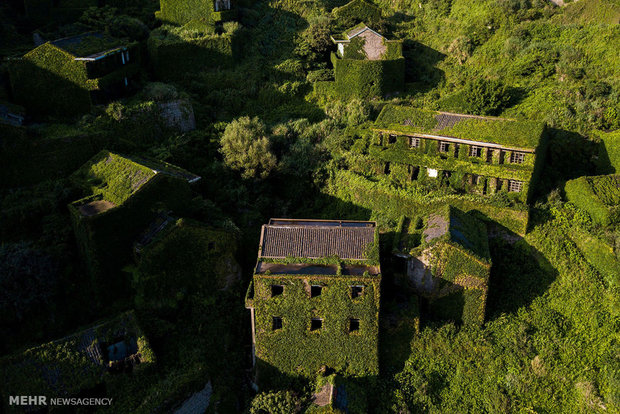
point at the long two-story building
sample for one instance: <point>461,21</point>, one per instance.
<point>479,154</point>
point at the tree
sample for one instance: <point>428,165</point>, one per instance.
<point>486,97</point>
<point>246,147</point>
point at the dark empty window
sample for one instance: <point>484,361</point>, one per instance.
<point>276,290</point>
<point>444,146</point>
<point>392,139</point>
<point>276,323</point>
<point>315,290</point>
<point>356,291</point>
<point>211,246</point>
<point>475,151</point>
<point>354,325</point>
<point>316,324</point>
<point>489,155</point>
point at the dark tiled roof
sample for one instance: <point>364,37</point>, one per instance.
<point>317,239</point>
<point>448,120</point>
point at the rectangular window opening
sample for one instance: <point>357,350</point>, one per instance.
<point>517,158</point>
<point>316,324</point>
<point>489,155</point>
<point>354,325</point>
<point>315,290</point>
<point>414,142</point>
<point>357,291</point>
<point>276,290</point>
<point>475,151</point>
<point>443,146</point>
<point>276,323</point>
<point>515,186</point>
<point>392,139</point>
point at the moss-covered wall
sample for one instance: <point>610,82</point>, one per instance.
<point>377,195</point>
<point>106,239</point>
<point>49,81</point>
<point>181,12</point>
<point>172,55</point>
<point>461,291</point>
<point>297,351</point>
<point>368,78</point>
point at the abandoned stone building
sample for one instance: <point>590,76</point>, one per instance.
<point>122,196</point>
<point>314,298</point>
<point>86,362</point>
<point>366,64</point>
<point>447,262</point>
<point>67,76</point>
<point>476,154</point>
<point>182,12</point>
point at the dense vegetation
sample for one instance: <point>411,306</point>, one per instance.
<point>269,143</point>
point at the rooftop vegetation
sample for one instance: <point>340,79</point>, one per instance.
<point>507,132</point>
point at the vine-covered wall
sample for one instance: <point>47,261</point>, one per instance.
<point>368,78</point>
<point>378,195</point>
<point>295,349</point>
<point>172,55</point>
<point>49,81</point>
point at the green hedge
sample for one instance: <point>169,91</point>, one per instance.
<point>174,52</point>
<point>598,195</point>
<point>368,78</point>
<point>379,196</point>
<point>295,350</point>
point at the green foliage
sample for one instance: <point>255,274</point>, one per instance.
<point>75,370</point>
<point>357,11</point>
<point>48,80</point>
<point>599,196</point>
<point>188,257</point>
<point>609,152</point>
<point>180,12</point>
<point>377,194</point>
<point>483,97</point>
<point>275,402</point>
<point>174,51</point>
<point>508,132</point>
<point>246,147</point>
<point>368,78</point>
<point>295,349</point>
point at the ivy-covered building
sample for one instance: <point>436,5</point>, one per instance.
<point>66,77</point>
<point>449,264</point>
<point>366,64</point>
<point>208,12</point>
<point>123,196</point>
<point>178,256</point>
<point>89,363</point>
<point>314,298</point>
<point>174,51</point>
<point>478,154</point>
